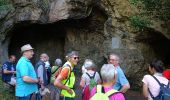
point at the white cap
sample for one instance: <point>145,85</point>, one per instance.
<point>26,47</point>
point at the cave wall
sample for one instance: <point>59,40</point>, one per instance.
<point>92,27</point>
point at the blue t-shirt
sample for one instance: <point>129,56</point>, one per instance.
<point>25,68</point>
<point>121,79</point>
<point>10,67</point>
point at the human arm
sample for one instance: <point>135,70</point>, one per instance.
<point>82,82</point>
<point>6,71</point>
<point>145,90</point>
<point>124,88</point>
<point>58,81</point>
<point>123,81</point>
<point>29,79</point>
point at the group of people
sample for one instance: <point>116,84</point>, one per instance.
<point>110,83</point>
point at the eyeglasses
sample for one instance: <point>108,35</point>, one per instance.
<point>75,58</point>
<point>113,59</point>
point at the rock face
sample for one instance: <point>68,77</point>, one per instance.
<point>93,27</point>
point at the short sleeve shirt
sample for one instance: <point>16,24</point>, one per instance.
<point>25,68</point>
<point>121,79</point>
<point>152,84</point>
<point>65,70</point>
<point>86,78</point>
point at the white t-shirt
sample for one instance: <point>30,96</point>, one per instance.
<point>153,85</point>
<point>87,78</point>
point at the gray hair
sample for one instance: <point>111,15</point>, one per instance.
<point>89,64</point>
<point>108,72</point>
<point>58,62</point>
<point>113,54</point>
<point>72,53</point>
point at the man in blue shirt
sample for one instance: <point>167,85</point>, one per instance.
<point>8,71</point>
<point>26,76</point>
<point>122,83</point>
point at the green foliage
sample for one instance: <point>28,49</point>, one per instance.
<point>139,23</point>
<point>6,93</point>
<point>159,9</point>
<point>4,2</point>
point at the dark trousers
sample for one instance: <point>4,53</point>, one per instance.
<point>66,98</point>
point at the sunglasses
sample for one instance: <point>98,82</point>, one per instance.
<point>75,58</point>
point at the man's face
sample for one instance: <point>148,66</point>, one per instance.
<point>113,60</point>
<point>29,53</point>
<point>13,59</point>
<point>44,58</point>
<point>74,59</point>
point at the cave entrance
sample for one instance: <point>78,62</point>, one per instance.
<point>49,38</point>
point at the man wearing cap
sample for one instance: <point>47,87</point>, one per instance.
<point>26,77</point>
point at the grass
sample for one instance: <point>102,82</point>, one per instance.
<point>6,93</point>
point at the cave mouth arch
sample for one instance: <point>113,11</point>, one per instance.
<point>47,38</point>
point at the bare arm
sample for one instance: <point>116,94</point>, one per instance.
<point>29,79</point>
<point>145,90</point>
<point>5,71</point>
<point>82,83</point>
<point>124,88</point>
<point>58,83</point>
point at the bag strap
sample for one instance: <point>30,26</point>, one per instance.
<point>68,79</point>
<point>111,92</point>
<point>156,80</point>
<point>99,89</point>
<point>150,93</point>
<point>55,69</point>
<point>91,77</point>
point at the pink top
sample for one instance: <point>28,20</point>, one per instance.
<point>117,96</point>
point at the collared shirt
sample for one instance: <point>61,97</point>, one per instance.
<point>121,79</point>
<point>25,68</point>
<point>10,67</point>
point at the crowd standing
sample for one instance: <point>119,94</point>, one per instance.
<point>110,84</point>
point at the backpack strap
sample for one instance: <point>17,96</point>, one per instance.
<point>157,82</point>
<point>99,89</point>
<point>168,84</point>
<point>68,79</point>
<point>111,92</point>
<point>91,77</point>
<point>55,69</point>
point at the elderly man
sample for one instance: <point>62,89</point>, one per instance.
<point>122,83</point>
<point>66,79</point>
<point>26,76</point>
<point>42,72</point>
<point>8,71</point>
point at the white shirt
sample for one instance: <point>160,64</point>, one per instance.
<point>153,85</point>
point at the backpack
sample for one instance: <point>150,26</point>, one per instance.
<point>88,88</point>
<point>54,71</point>
<point>164,93</point>
<point>101,95</point>
<point>92,81</point>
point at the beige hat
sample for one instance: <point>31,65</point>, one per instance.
<point>26,47</point>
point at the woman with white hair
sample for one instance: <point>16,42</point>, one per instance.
<point>87,76</point>
<point>108,75</point>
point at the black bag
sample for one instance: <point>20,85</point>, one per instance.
<point>164,93</point>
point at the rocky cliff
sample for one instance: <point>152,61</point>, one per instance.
<point>93,27</point>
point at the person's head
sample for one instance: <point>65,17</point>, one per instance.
<point>113,59</point>
<point>27,51</point>
<point>58,62</point>
<point>108,73</point>
<point>73,57</point>
<point>12,58</point>
<point>44,57</point>
<point>89,64</point>
<point>156,66</point>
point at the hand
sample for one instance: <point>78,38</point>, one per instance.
<point>70,91</point>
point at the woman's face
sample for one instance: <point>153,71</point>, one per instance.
<point>74,59</point>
